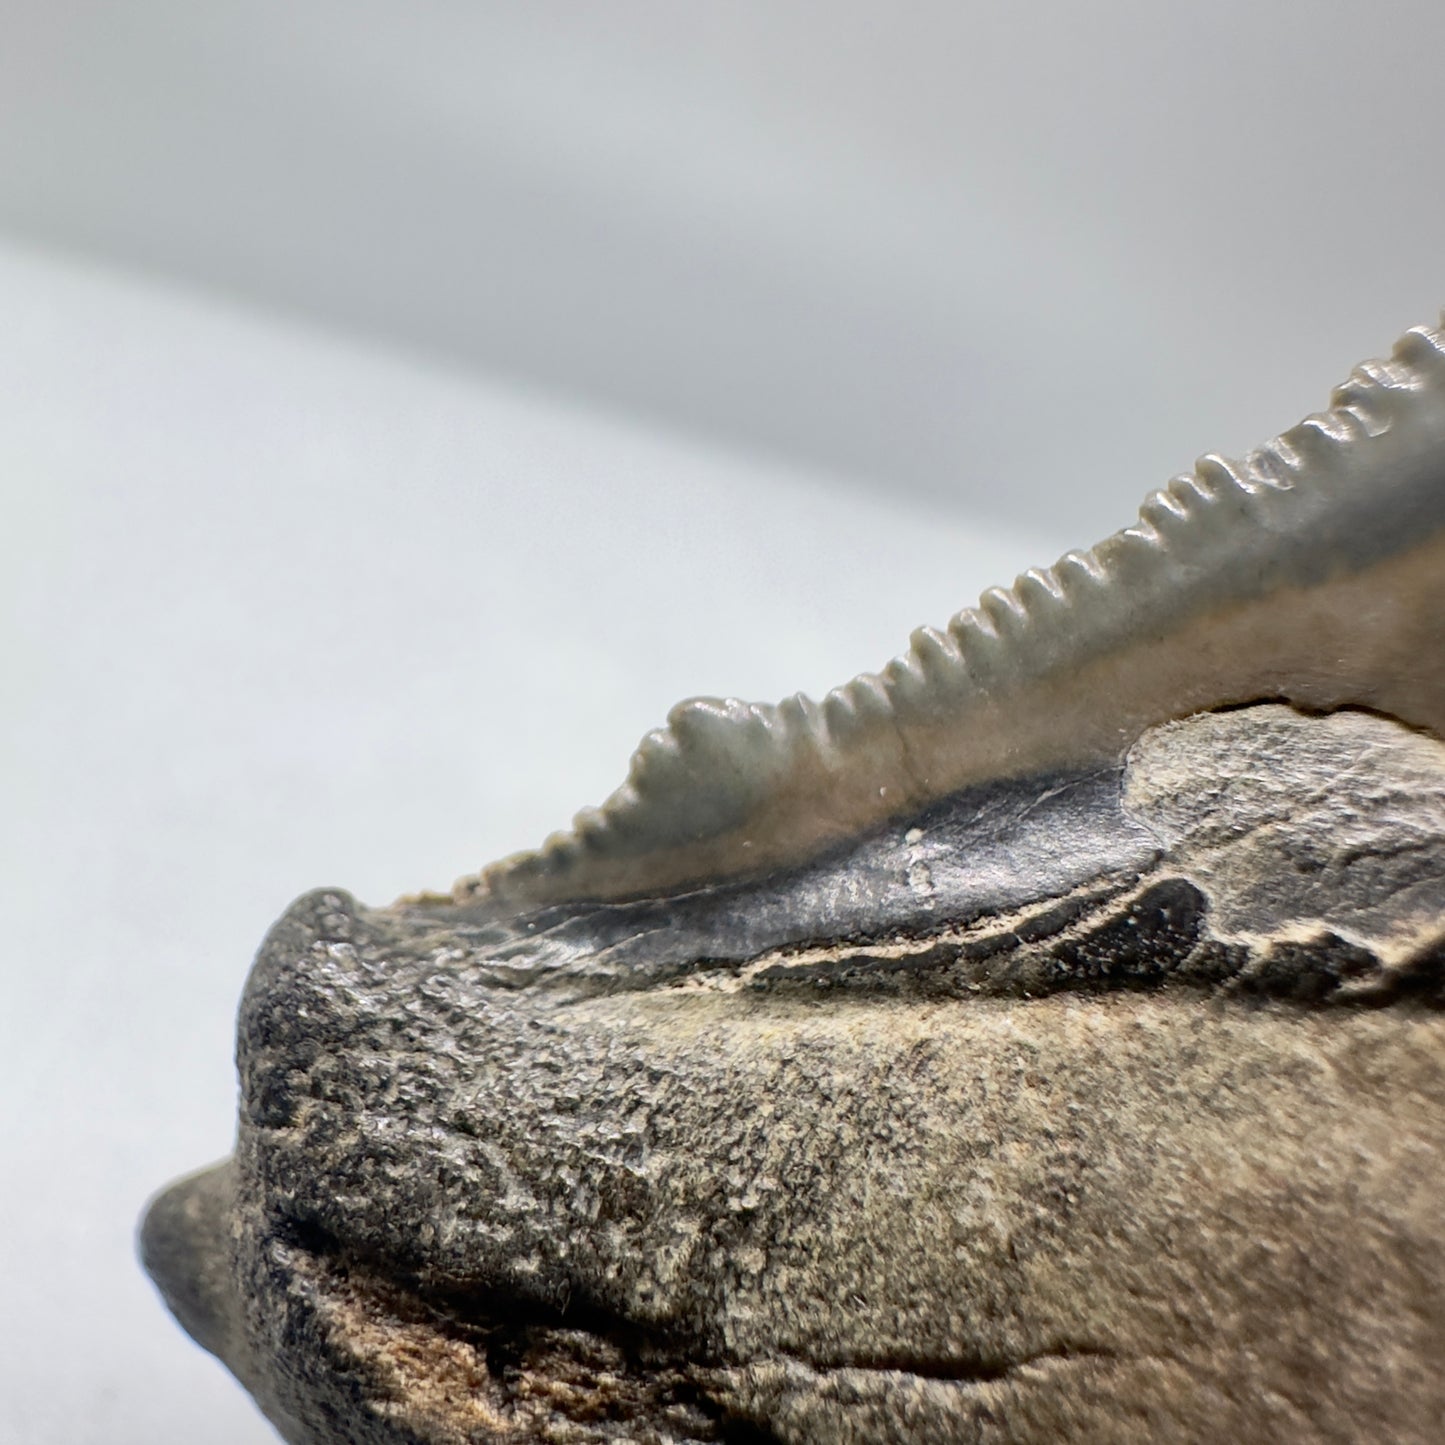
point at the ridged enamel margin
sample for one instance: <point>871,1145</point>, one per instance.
<point>1312,571</point>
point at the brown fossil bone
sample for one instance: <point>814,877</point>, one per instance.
<point>1041,1040</point>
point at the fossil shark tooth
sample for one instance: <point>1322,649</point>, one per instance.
<point>1311,571</point>
<point>976,1054</point>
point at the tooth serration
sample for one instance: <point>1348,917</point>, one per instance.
<point>1313,570</point>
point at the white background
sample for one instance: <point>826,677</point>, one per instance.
<point>401,406</point>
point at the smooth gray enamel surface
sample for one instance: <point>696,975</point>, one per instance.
<point>1309,570</point>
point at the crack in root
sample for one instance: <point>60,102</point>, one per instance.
<point>450,1369</point>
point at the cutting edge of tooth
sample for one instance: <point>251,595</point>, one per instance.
<point>726,762</point>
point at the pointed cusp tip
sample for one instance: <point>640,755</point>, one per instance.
<point>184,1245</point>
